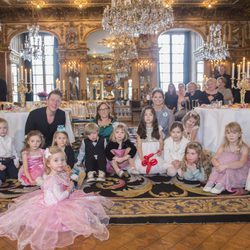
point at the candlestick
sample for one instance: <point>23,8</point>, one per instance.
<point>238,68</point>
<point>25,75</point>
<point>248,69</point>
<point>63,88</point>
<point>243,65</point>
<point>21,77</point>
<point>233,68</point>
<point>58,84</point>
<point>30,76</point>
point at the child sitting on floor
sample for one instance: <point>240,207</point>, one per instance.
<point>55,215</point>
<point>93,150</point>
<point>120,151</point>
<point>8,156</point>
<point>230,163</point>
<point>195,165</point>
<point>174,148</point>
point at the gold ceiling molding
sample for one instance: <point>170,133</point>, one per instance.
<point>38,3</point>
<point>210,3</point>
<point>102,3</point>
<point>81,3</point>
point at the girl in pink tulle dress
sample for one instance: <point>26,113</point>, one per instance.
<point>231,163</point>
<point>54,216</point>
<point>32,170</point>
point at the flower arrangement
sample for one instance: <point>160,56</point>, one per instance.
<point>42,94</point>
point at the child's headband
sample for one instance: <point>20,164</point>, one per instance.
<point>61,128</point>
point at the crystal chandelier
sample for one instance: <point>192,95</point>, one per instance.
<point>135,17</point>
<point>215,49</point>
<point>32,47</point>
<point>124,50</point>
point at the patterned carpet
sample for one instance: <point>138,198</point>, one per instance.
<point>155,199</point>
<point>160,199</point>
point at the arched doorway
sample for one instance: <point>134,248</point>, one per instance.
<point>38,66</point>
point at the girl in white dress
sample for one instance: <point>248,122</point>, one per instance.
<point>174,148</point>
<point>149,158</point>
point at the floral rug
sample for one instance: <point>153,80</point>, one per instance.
<point>154,199</point>
<point>160,199</point>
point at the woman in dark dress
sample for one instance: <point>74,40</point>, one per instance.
<point>171,98</point>
<point>212,92</point>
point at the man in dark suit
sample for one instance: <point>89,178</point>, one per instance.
<point>222,72</point>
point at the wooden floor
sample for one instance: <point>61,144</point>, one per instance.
<point>164,236</point>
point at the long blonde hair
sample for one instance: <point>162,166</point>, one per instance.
<point>48,154</point>
<point>235,128</point>
<point>121,126</point>
<point>54,143</point>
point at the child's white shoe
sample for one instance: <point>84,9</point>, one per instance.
<point>91,176</point>
<point>217,189</point>
<point>208,187</point>
<point>133,171</point>
<point>101,176</point>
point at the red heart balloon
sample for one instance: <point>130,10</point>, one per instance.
<point>153,162</point>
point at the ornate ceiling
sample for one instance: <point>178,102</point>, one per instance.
<point>54,10</point>
<point>70,3</point>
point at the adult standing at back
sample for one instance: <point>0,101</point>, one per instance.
<point>171,98</point>
<point>164,115</point>
<point>104,120</point>
<point>222,73</point>
<point>47,119</point>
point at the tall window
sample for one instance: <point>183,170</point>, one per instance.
<point>43,67</point>
<point>199,72</point>
<point>177,63</point>
<point>171,59</point>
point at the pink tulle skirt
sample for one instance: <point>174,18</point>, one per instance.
<point>30,221</point>
<point>34,171</point>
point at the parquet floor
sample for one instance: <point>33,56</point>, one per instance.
<point>225,236</point>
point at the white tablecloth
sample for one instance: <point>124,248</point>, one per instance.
<point>213,122</point>
<point>17,121</point>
